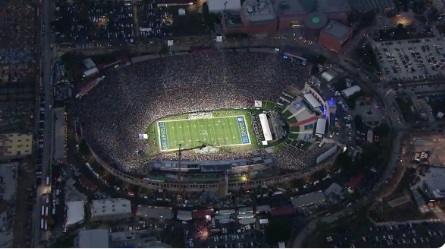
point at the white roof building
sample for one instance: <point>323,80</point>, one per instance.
<point>117,208</point>
<point>216,6</point>
<point>312,100</point>
<point>348,92</point>
<point>266,129</point>
<point>327,76</point>
<point>95,238</point>
<point>327,154</point>
<point>75,212</point>
<point>320,130</point>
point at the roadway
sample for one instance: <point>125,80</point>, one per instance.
<point>46,62</point>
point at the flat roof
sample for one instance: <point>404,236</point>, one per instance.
<point>337,30</point>
<point>378,5</point>
<point>288,7</point>
<point>75,212</point>
<point>59,133</point>
<point>330,6</point>
<point>308,199</point>
<point>154,212</point>
<point>432,182</point>
<point>95,238</point>
<point>259,11</point>
<point>312,100</point>
<point>110,207</point>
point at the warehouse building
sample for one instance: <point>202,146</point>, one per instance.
<point>95,238</point>
<point>334,36</point>
<point>110,209</point>
<point>217,6</point>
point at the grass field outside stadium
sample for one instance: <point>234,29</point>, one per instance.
<point>221,128</point>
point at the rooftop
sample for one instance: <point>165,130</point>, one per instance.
<point>331,6</point>
<point>59,134</point>
<point>315,20</point>
<point>110,207</point>
<point>432,182</point>
<point>337,30</point>
<point>95,238</point>
<point>154,212</point>
<point>259,11</point>
<point>75,212</point>
<point>308,199</point>
<point>378,5</point>
<point>288,7</point>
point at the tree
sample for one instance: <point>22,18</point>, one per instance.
<point>382,130</point>
<point>278,230</point>
<point>315,69</point>
<point>358,121</point>
<point>344,161</point>
<point>164,49</point>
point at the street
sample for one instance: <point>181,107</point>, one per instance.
<point>47,60</point>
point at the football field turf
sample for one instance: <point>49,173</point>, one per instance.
<point>191,133</point>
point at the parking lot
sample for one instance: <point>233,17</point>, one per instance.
<point>411,60</point>
<point>110,23</point>
<point>397,235</point>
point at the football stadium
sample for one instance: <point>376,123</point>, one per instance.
<point>189,121</point>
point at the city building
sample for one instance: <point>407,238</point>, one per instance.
<point>217,6</point>
<point>173,3</point>
<point>291,14</point>
<point>110,209</point>
<point>95,238</point>
<point>431,183</point>
<point>15,145</point>
<point>334,36</point>
<point>308,200</point>
<point>75,213</point>
<point>258,17</point>
<point>381,6</point>
<point>348,92</point>
<point>337,10</point>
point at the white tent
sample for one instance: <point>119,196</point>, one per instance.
<point>327,76</point>
<point>75,212</point>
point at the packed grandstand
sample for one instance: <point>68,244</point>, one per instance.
<point>120,108</point>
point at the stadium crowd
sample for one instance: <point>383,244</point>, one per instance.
<point>130,98</point>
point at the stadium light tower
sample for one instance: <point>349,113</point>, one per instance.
<point>170,45</point>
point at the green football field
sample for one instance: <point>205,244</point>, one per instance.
<point>232,129</point>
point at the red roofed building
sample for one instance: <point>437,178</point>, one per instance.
<point>202,213</point>
<point>282,211</point>
<point>356,180</point>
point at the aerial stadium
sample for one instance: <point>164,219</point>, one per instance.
<point>205,120</point>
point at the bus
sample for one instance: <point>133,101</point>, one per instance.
<point>43,210</point>
<point>294,57</point>
<point>47,181</point>
<point>46,211</point>
<point>42,224</point>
